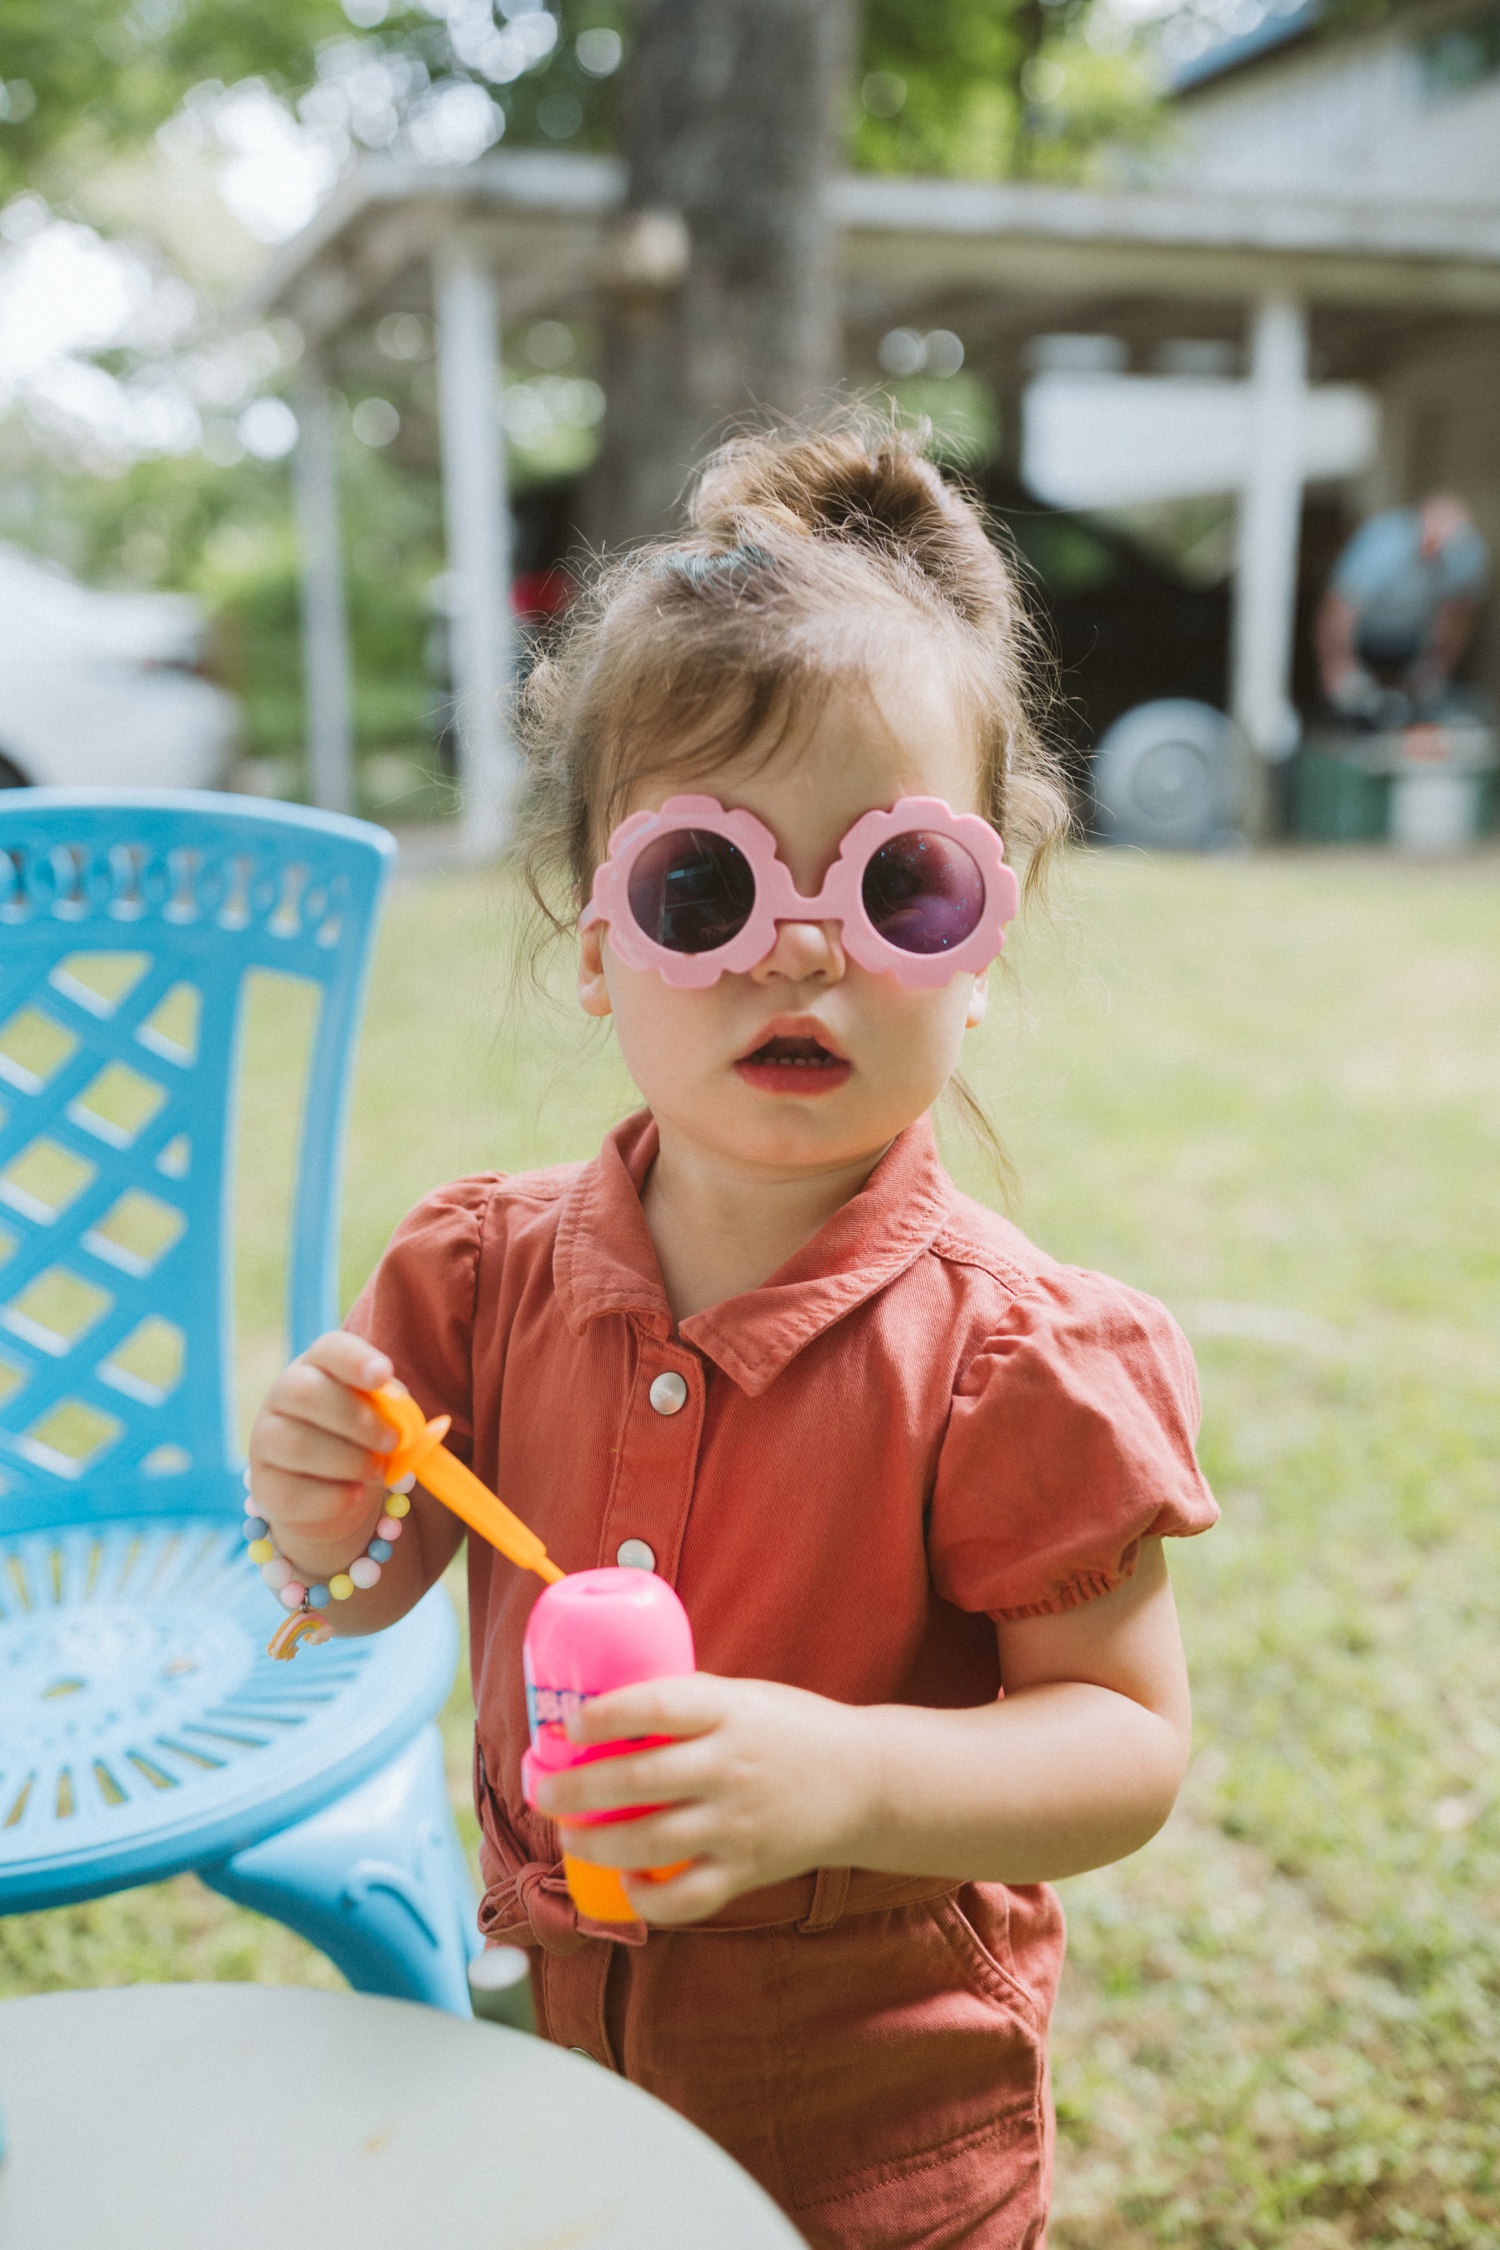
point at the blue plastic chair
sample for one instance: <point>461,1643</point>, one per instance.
<point>143,1728</point>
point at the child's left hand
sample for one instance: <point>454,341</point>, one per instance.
<point>1078,1764</point>
<point>762,1782</point>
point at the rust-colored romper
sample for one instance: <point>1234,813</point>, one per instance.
<point>920,1424</point>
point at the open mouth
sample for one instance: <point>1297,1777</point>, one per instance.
<point>793,1063</point>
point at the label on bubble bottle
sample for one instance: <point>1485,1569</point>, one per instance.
<point>552,1706</point>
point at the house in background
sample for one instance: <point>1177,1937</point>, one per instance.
<point>1392,117</point>
<point>1340,316</point>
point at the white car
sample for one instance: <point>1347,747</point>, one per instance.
<point>103,688</point>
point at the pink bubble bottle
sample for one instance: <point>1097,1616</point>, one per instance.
<point>592,1631</point>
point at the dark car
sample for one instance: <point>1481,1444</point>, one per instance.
<point>1125,627</point>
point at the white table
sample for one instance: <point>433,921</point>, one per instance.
<point>242,2117</point>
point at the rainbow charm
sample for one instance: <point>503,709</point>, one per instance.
<point>293,1631</point>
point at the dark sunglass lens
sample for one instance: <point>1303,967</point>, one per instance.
<point>692,890</point>
<point>923,892</point>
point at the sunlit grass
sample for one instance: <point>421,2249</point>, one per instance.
<point>1270,1092</point>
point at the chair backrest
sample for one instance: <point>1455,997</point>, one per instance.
<point>129,922</point>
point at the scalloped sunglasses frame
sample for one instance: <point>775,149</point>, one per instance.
<point>777,898</point>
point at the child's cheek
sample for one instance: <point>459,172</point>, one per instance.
<point>665,1033</point>
<point>923,1029</point>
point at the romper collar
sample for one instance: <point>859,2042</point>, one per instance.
<point>605,1261</point>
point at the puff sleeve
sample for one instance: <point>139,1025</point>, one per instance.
<point>418,1304</point>
<point>1070,1440</point>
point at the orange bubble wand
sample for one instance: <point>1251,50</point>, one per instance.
<point>422,1454</point>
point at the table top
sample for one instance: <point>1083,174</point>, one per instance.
<point>172,2117</point>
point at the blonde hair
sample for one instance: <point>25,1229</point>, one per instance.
<point>808,551</point>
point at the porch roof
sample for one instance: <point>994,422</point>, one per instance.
<point>908,246</point>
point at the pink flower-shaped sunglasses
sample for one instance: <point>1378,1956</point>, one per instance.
<point>692,891</point>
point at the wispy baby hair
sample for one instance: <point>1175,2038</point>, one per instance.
<point>811,554</point>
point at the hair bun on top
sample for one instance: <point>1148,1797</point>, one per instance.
<point>808,552</point>
<point>869,490</point>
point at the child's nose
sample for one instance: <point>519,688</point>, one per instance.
<point>804,950</point>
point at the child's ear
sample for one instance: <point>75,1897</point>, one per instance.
<point>979,1001</point>
<point>593,992</point>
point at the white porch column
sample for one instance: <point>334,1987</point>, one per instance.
<point>325,640</point>
<point>1265,588</point>
<point>478,533</point>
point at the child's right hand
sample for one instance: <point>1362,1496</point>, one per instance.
<point>317,1450</point>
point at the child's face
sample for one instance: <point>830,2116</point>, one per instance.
<point>716,1065</point>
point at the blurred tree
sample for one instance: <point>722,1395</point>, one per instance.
<point>732,116</point>
<point>732,113</point>
<point>91,75</point>
<point>984,87</point>
<point>80,80</point>
<point>722,298</point>
<point>998,88</point>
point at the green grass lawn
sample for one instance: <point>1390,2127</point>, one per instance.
<point>1269,1091</point>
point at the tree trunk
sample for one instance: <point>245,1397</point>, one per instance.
<point>723,304</point>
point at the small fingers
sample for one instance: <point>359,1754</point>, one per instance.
<point>658,1839</point>
<point>301,1449</point>
<point>312,1505</point>
<point>642,1777</point>
<point>700,1890</point>
<point>349,1359</point>
<point>686,1706</point>
<point>305,1393</point>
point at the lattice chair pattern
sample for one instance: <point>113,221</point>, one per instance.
<point>143,1729</point>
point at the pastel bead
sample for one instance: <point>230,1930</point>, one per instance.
<point>364,1573</point>
<point>261,1550</point>
<point>341,1585</point>
<point>397,1505</point>
<point>292,1595</point>
<point>252,1505</point>
<point>277,1573</point>
<point>256,1527</point>
<point>389,1527</point>
<point>380,1550</point>
<point>403,1485</point>
<point>318,1597</point>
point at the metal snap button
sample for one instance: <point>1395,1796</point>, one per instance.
<point>668,1394</point>
<point>634,1554</point>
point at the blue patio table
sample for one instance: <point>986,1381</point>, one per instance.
<point>238,2117</point>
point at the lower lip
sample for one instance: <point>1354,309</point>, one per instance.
<point>793,1078</point>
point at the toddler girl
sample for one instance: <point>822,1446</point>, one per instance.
<point>909,1475</point>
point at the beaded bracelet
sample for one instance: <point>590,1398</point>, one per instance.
<point>305,1600</point>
